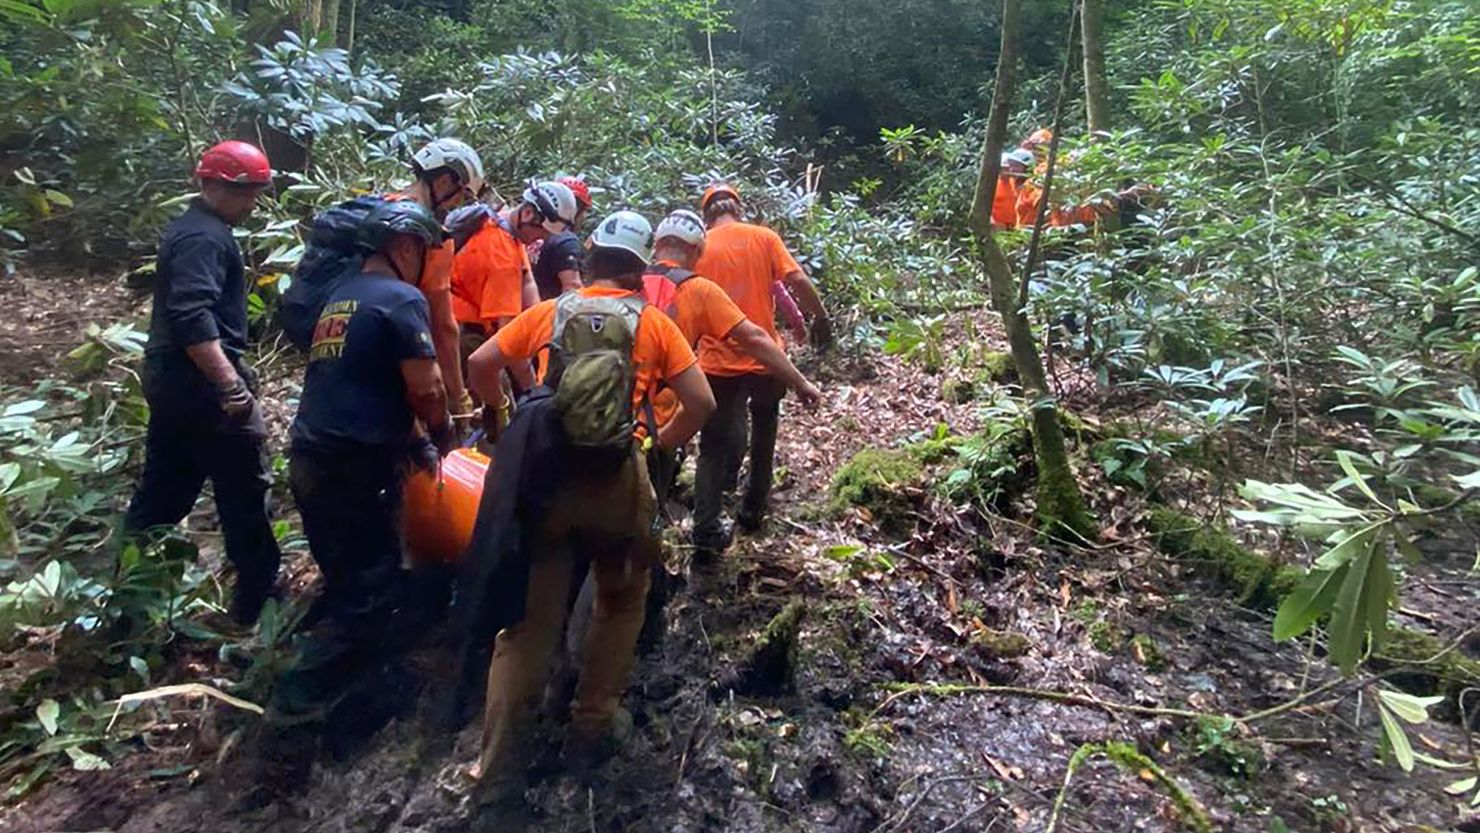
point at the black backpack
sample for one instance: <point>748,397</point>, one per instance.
<point>331,254</point>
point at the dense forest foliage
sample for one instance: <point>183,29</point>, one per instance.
<point>1265,377</point>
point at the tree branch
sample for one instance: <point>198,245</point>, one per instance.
<point>1035,242</point>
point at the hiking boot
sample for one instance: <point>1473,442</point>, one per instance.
<point>750,521</point>
<point>709,546</point>
<point>248,599</point>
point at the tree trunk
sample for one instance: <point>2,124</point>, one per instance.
<point>1096,89</point>
<point>1060,507</point>
<point>331,22</point>
<point>349,38</point>
<point>312,13</point>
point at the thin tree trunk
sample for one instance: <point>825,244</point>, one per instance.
<point>313,15</point>
<point>349,38</point>
<point>331,21</point>
<point>1060,507</point>
<point>1096,88</point>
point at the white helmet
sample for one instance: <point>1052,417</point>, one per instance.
<point>625,230</point>
<point>1018,156</point>
<point>682,224</point>
<point>555,202</point>
<point>453,154</point>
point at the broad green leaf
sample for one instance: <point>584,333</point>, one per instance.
<point>30,406</point>
<point>58,198</point>
<point>1349,617</point>
<point>1463,785</point>
<point>1468,481</point>
<point>1410,708</point>
<point>1347,548</point>
<point>9,473</point>
<point>1308,602</point>
<point>48,712</point>
<point>1397,739</point>
<point>1406,548</point>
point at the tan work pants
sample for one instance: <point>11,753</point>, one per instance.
<point>613,516</point>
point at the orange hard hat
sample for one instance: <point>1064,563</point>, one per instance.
<point>715,190</point>
<point>1041,136</point>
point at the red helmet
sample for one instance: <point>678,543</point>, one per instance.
<point>236,162</point>
<point>580,189</point>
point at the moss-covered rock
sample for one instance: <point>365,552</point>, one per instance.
<point>995,644</point>
<point>1261,582</point>
<point>996,368</point>
<point>886,482</point>
<point>958,391</point>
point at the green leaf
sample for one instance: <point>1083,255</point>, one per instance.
<point>86,761</point>
<point>48,712</point>
<point>1346,549</point>
<point>9,473</point>
<point>1463,785</point>
<point>58,198</point>
<point>1345,459</point>
<point>1311,600</point>
<point>1410,708</point>
<point>1349,615</point>
<point>1397,739</point>
<point>30,406</point>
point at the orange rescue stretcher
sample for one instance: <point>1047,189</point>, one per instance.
<point>440,508</point>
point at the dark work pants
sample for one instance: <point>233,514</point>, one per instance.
<point>350,503</point>
<point>722,446</point>
<point>184,446</point>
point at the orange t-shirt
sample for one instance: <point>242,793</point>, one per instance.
<point>436,267</point>
<point>744,259</point>
<point>659,354</point>
<point>700,308</point>
<point>1004,202</point>
<point>488,276</point>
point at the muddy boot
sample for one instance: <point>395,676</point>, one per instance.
<point>583,753</point>
<point>248,598</point>
<point>283,758</point>
<point>709,546</point>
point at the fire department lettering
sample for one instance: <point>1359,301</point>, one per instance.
<point>328,334</point>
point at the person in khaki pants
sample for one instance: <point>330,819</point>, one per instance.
<point>605,505</point>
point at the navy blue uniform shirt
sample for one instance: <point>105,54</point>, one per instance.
<point>354,396</point>
<point>200,294</point>
<point>562,252</point>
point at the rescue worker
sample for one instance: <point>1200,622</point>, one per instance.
<point>448,174</point>
<point>557,268</point>
<point>608,508</point>
<point>204,420</point>
<point>745,260</point>
<point>491,276</point>
<point>373,374</point>
<point>1010,178</point>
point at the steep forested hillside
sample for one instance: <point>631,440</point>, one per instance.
<point>1147,505</point>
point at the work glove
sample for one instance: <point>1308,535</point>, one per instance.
<point>822,334</point>
<point>250,376</point>
<point>235,399</point>
<point>424,454</point>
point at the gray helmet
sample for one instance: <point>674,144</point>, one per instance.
<point>399,217</point>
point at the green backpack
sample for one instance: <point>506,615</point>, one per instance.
<point>591,369</point>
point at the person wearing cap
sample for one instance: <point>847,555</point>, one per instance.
<point>204,420</point>
<point>449,173</point>
<point>557,267</point>
<point>492,280</point>
<point>372,376</point>
<point>745,260</point>
<point>609,511</point>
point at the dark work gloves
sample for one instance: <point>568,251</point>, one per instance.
<point>235,399</point>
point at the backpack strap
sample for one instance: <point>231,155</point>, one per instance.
<point>675,274</point>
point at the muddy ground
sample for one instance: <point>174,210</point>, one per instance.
<point>848,750</point>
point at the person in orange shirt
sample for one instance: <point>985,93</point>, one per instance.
<point>491,277</point>
<point>1010,179</point>
<point>610,512</point>
<point>745,260</point>
<point>448,174</point>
